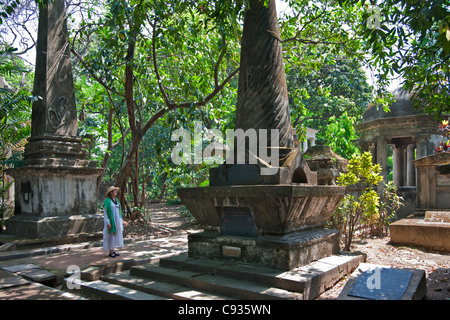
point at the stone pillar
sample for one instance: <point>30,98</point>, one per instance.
<point>422,146</point>
<point>55,192</point>
<point>262,101</point>
<point>410,168</point>
<point>381,156</point>
<point>398,165</point>
<point>305,145</point>
<point>372,148</point>
<point>262,110</point>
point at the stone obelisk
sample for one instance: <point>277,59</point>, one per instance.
<point>54,127</point>
<point>262,92</point>
<point>55,192</point>
<point>274,220</point>
<point>263,104</point>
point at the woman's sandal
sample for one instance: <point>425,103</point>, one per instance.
<point>112,255</point>
<point>116,254</point>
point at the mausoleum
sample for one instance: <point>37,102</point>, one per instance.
<point>406,134</point>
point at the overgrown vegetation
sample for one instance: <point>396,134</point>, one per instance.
<point>362,208</point>
<point>145,68</point>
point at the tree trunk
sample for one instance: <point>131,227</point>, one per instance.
<point>163,186</point>
<point>144,186</point>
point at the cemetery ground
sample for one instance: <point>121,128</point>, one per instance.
<point>378,250</point>
<point>170,222</point>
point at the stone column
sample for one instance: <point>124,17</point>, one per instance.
<point>55,192</point>
<point>422,146</point>
<point>398,165</point>
<point>372,148</point>
<point>54,123</point>
<point>410,168</point>
<point>381,156</point>
<point>262,101</point>
<point>305,145</point>
<point>263,106</point>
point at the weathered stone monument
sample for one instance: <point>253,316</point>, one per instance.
<point>327,164</point>
<point>410,134</point>
<point>55,191</point>
<point>433,187</point>
<point>268,214</point>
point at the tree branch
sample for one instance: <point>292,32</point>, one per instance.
<point>155,66</point>
<point>216,68</point>
<point>174,106</point>
<point>93,75</point>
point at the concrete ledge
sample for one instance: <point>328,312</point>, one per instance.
<point>95,272</point>
<point>56,226</point>
<point>279,252</point>
<point>421,233</point>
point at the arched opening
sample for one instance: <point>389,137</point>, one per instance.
<point>299,176</point>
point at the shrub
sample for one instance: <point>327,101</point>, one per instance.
<point>362,202</point>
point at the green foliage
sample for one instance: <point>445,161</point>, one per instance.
<point>412,40</point>
<point>364,201</point>
<point>363,207</point>
<point>15,114</point>
<point>390,202</point>
<point>341,135</point>
<point>7,9</point>
<point>332,100</point>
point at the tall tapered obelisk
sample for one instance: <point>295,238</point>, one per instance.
<point>55,192</point>
<point>263,104</point>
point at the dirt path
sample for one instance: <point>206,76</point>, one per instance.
<point>164,218</point>
<point>378,250</point>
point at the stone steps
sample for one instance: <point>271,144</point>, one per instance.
<point>184,278</point>
<point>101,290</point>
<point>221,285</point>
<point>159,288</point>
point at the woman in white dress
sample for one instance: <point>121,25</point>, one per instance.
<point>113,223</point>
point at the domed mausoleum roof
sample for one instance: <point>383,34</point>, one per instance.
<point>402,107</point>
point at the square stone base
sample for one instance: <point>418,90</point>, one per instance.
<point>431,235</point>
<point>280,252</point>
<point>54,227</point>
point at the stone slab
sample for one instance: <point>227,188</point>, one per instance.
<point>103,290</point>
<point>37,275</point>
<point>162,289</point>
<point>95,272</point>
<point>7,246</point>
<point>391,285</point>
<point>437,216</point>
<point>421,233</point>
<point>36,291</point>
<point>20,267</point>
<point>390,288</point>
<point>10,282</point>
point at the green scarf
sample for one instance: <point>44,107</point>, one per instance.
<point>107,205</point>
